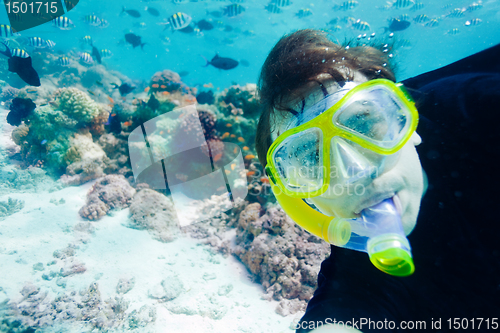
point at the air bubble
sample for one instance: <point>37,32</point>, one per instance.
<point>390,55</point>
<point>373,35</point>
<point>384,64</point>
<point>391,35</point>
<point>364,35</point>
<point>359,37</point>
<point>347,48</point>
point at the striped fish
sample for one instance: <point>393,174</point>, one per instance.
<point>417,6</point>
<point>475,6</point>
<point>456,13</point>
<point>273,8</point>
<point>361,25</point>
<point>105,53</point>
<point>92,20</point>
<point>50,44</point>
<point>86,58</point>
<point>432,23</point>
<point>404,17</point>
<point>63,23</point>
<point>453,32</point>
<point>179,21</point>
<point>7,32</point>
<point>234,10</point>
<point>37,42</point>
<point>19,53</point>
<point>402,4</point>
<point>87,40</point>
<point>282,3</point>
<point>104,23</point>
<point>347,5</point>
<point>475,21</point>
<point>422,18</point>
<point>304,12</point>
<point>64,61</point>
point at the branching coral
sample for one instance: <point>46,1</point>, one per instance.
<point>76,104</point>
<point>237,98</point>
<point>9,207</point>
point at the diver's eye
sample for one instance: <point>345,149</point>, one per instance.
<point>365,118</point>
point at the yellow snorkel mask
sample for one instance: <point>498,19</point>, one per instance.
<point>357,132</point>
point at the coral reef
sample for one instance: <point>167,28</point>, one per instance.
<point>8,94</point>
<point>240,100</point>
<point>109,192</point>
<point>76,104</point>
<point>155,212</point>
<point>31,179</point>
<point>9,207</point>
<point>167,80</point>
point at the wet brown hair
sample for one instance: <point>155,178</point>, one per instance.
<point>297,59</point>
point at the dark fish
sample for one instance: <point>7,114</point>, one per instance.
<point>397,25</point>
<point>205,25</point>
<point>131,12</point>
<point>221,63</point>
<point>95,54</point>
<point>153,103</point>
<point>22,67</point>
<point>189,29</point>
<point>114,123</point>
<point>99,83</point>
<point>153,11</point>
<point>20,109</point>
<point>124,88</point>
<point>134,40</point>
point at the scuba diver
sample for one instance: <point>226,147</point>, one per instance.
<point>338,139</point>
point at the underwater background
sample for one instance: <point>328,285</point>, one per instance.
<point>90,241</point>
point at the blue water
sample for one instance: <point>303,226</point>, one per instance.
<point>256,31</point>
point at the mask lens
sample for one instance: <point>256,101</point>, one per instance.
<point>299,160</point>
<point>377,115</point>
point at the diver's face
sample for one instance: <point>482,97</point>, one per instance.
<point>400,178</point>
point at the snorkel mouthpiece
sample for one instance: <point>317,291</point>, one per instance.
<point>379,232</point>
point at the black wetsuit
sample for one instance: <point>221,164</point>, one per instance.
<point>456,242</point>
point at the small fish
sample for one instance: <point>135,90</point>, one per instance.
<point>124,89</point>
<point>92,20</point>
<point>105,53</point>
<point>347,5</point>
<point>402,4</point>
<point>90,92</point>
<point>50,44</point>
<point>273,8</point>
<point>99,83</point>
<point>43,142</point>
<point>134,40</point>
<point>417,6</point>
<point>104,23</point>
<point>204,25</point>
<point>249,157</point>
<point>432,23</point>
<point>86,58</point>
<point>453,32</point>
<point>64,61</point>
<point>397,25</point>
<point>241,139</point>
<point>152,11</point>
<point>361,25</point>
<point>348,20</point>
<point>250,173</point>
<point>131,12</point>
<point>179,21</point>
<point>232,135</point>
<point>304,12</point>
<point>37,42</point>
<point>475,6</point>
<point>229,125</point>
<point>63,23</point>
<point>233,10</point>
<point>208,85</point>
<point>221,63</point>
<point>19,53</point>
<point>87,40</point>
<point>456,13</point>
<point>422,18</point>
<point>403,17</point>
<point>7,32</point>
<point>225,135</point>
<point>245,148</point>
<point>22,67</point>
<point>472,22</point>
<point>282,3</point>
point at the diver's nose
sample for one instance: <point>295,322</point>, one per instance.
<point>351,166</point>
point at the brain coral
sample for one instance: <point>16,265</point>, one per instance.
<point>76,104</point>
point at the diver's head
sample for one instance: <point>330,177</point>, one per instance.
<point>305,69</point>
